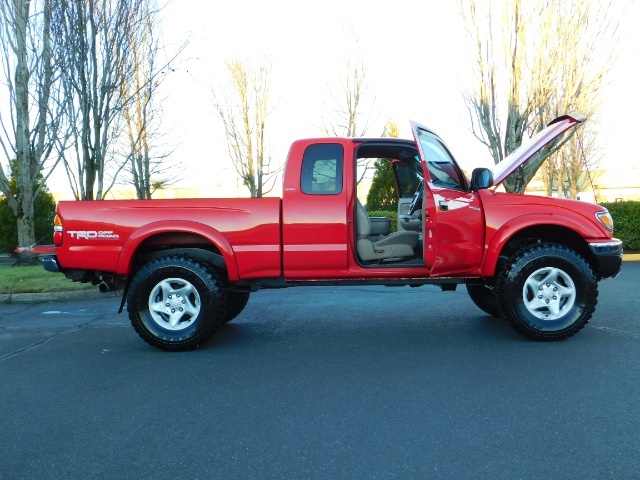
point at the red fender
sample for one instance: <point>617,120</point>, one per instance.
<point>210,234</point>
<point>510,228</point>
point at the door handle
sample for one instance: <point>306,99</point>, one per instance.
<point>444,206</point>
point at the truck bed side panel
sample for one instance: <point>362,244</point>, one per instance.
<point>95,231</point>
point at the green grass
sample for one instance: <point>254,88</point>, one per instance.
<point>36,280</point>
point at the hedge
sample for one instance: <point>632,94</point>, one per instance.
<point>392,215</point>
<point>626,222</point>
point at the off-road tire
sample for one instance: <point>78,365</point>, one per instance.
<point>547,292</point>
<point>176,303</point>
<point>236,301</point>
<point>484,297</point>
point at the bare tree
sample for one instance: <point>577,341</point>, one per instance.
<point>146,160</point>
<point>347,118</point>
<point>95,39</point>
<point>542,60</point>
<point>350,114</point>
<point>575,166</point>
<point>550,174</point>
<point>243,108</point>
<point>31,75</point>
<point>580,161</point>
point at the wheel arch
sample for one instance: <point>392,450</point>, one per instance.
<point>513,236</point>
<point>185,238</point>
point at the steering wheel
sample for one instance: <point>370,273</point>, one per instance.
<point>417,198</point>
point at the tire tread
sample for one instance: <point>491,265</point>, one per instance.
<point>520,259</point>
<point>216,302</point>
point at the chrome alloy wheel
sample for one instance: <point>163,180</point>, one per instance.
<point>549,293</point>
<point>174,304</point>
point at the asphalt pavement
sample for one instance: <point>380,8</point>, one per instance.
<point>353,382</point>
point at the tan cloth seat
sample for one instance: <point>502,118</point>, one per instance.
<point>395,245</point>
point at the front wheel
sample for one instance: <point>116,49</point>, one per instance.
<point>547,292</point>
<point>484,298</point>
<point>176,303</point>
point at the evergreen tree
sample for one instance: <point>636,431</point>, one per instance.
<point>383,194</point>
<point>44,211</point>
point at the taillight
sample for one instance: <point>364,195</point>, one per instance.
<point>57,231</point>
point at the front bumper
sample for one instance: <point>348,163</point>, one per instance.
<point>608,257</point>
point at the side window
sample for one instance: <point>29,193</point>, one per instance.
<point>322,169</point>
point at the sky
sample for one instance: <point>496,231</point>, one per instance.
<point>416,64</point>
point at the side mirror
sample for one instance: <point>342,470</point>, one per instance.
<point>481,178</point>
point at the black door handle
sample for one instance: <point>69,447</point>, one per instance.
<point>444,206</point>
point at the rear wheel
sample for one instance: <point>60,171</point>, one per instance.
<point>547,292</point>
<point>176,303</point>
<point>485,298</point>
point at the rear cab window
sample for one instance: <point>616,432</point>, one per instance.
<point>322,169</point>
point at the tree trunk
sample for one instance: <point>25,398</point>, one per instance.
<point>26,231</point>
<point>26,235</point>
<point>24,180</point>
<point>548,187</point>
<point>516,182</point>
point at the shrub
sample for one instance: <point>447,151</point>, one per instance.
<point>44,212</point>
<point>626,222</point>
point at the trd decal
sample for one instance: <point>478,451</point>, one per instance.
<point>93,234</point>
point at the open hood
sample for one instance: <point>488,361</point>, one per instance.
<point>540,140</point>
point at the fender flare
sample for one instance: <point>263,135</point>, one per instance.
<point>210,234</point>
<point>517,224</point>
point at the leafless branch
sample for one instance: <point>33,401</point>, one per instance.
<point>546,59</point>
<point>243,109</point>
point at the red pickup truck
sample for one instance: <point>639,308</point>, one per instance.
<point>188,266</point>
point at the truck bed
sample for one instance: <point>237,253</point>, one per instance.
<point>248,227</point>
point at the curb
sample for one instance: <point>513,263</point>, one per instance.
<point>26,298</point>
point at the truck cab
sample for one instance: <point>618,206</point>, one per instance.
<point>448,225</point>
